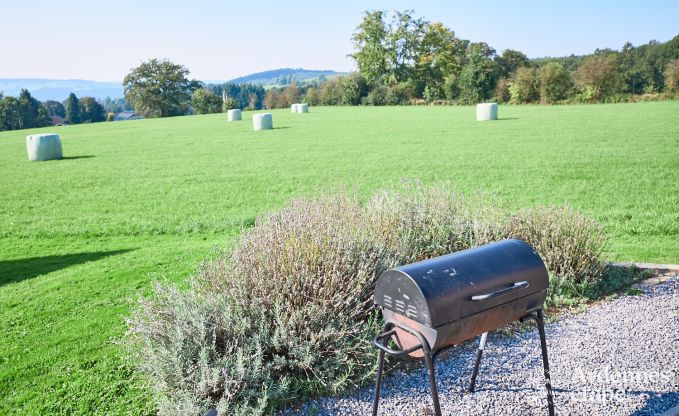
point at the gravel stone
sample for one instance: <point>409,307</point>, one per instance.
<point>617,358</point>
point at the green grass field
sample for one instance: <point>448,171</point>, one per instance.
<point>143,200</point>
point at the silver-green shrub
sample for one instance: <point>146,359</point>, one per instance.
<point>286,313</point>
<point>571,244</point>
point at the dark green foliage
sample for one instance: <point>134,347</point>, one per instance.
<point>478,77</point>
<point>55,108</point>
<point>10,114</point>
<point>24,112</point>
<point>437,65</point>
<point>400,93</point>
<point>525,86</point>
<point>401,57</point>
<point>372,50</point>
<point>510,61</point>
<point>555,83</point>
<point>205,101</point>
<point>352,89</point>
<point>397,94</point>
<point>159,88</point>
<point>378,96</point>
<point>229,104</point>
<point>33,112</point>
<point>567,293</point>
<point>672,76</point>
<point>72,106</point>
<point>91,111</point>
<point>598,75</point>
<point>115,105</point>
<point>311,96</point>
<point>440,58</point>
<point>329,94</point>
<point>240,94</point>
<point>502,94</point>
<point>615,279</point>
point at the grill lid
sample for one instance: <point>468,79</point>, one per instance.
<point>444,289</point>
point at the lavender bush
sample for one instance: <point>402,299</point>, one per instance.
<point>287,312</point>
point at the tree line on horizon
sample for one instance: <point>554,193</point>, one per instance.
<point>404,59</point>
<point>401,59</point>
<point>161,88</point>
<point>25,111</point>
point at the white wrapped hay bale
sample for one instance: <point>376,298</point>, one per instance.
<point>303,108</point>
<point>262,121</point>
<point>294,108</point>
<point>234,115</point>
<point>43,146</point>
<point>486,111</point>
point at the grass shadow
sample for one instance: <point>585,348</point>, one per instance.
<point>77,157</point>
<point>281,128</point>
<point>507,118</point>
<point>13,271</point>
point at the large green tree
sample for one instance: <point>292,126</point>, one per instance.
<point>525,86</point>
<point>33,112</point>
<point>91,111</point>
<point>160,88</point>
<point>24,112</point>
<point>55,108</point>
<point>479,75</point>
<point>631,72</point>
<point>205,101</point>
<point>352,89</point>
<point>599,75</point>
<point>440,58</point>
<point>72,106</point>
<point>672,76</point>
<point>510,61</point>
<point>555,83</point>
<point>404,38</point>
<point>372,51</point>
<point>10,113</point>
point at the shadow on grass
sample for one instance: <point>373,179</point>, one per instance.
<point>12,271</point>
<point>507,118</point>
<point>77,157</point>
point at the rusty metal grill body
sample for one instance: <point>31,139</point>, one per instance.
<point>433,305</point>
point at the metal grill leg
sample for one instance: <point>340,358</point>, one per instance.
<point>545,361</point>
<point>479,353</point>
<point>432,380</point>
<point>378,382</point>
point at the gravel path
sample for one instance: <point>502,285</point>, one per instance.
<point>617,358</point>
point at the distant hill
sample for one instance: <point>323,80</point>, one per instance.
<point>58,89</point>
<point>284,76</point>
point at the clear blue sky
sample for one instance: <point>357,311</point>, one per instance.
<point>219,40</point>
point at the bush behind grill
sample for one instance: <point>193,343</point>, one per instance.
<point>287,313</point>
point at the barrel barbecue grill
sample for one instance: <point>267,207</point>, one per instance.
<point>433,305</point>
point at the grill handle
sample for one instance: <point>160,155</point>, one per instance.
<point>516,286</point>
<point>388,334</point>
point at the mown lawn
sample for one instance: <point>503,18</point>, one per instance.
<point>143,200</point>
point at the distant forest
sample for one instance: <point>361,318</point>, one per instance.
<point>401,59</point>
